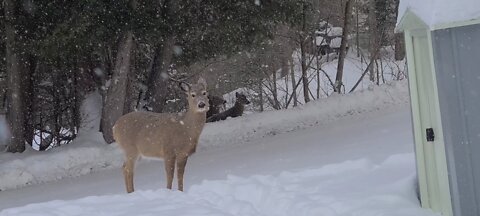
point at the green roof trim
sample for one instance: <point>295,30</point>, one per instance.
<point>410,21</point>
<point>457,24</point>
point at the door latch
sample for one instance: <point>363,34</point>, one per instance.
<point>430,135</point>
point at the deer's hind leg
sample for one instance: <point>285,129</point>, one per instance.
<point>128,169</point>
<point>170,169</point>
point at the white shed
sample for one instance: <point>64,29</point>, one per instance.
<point>443,53</point>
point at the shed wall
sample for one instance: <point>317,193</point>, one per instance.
<point>457,66</point>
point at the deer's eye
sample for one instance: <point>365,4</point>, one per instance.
<point>193,95</point>
<point>204,93</point>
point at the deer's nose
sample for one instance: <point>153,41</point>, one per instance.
<point>201,105</point>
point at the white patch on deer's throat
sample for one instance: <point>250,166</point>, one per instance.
<point>181,122</point>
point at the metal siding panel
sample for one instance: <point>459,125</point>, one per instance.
<point>457,59</point>
<point>447,96</point>
<point>468,57</point>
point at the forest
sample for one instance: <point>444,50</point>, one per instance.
<point>135,53</point>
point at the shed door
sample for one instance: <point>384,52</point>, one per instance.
<point>457,62</point>
<point>429,146</point>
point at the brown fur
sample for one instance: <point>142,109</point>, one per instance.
<point>235,111</point>
<point>172,137</point>
<point>216,103</point>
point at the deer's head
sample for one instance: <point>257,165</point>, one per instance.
<point>216,100</point>
<point>197,95</point>
<point>241,98</point>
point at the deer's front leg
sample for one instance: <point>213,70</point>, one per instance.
<point>128,167</point>
<point>181,163</point>
<point>170,170</point>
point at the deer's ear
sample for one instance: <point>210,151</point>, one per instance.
<point>201,81</point>
<point>184,86</point>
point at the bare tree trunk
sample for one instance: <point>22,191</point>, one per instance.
<point>399,47</point>
<point>29,97</point>
<point>304,73</point>
<point>399,42</point>
<point>130,86</point>
<point>158,78</point>
<point>284,63</point>
<point>357,33</point>
<point>276,103</point>
<point>16,74</point>
<point>374,31</point>
<point>260,88</point>
<point>375,54</point>
<point>77,97</point>
<point>318,75</point>
<point>287,89</point>
<point>115,98</point>
<point>56,127</point>
<point>378,72</point>
<point>343,47</point>
<point>383,71</point>
<point>116,93</point>
<point>306,96</point>
<point>294,90</point>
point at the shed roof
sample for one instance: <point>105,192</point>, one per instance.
<point>436,13</point>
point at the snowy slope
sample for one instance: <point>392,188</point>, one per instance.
<point>345,155</point>
<point>361,165</point>
<point>354,67</point>
<point>89,153</point>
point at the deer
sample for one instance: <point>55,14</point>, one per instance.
<point>235,111</point>
<point>171,137</point>
<point>216,102</point>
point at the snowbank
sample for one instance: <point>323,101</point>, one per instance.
<point>358,187</point>
<point>320,112</point>
<point>320,84</point>
<point>88,153</point>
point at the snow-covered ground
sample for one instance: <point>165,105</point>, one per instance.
<point>89,152</point>
<point>346,155</point>
<point>358,187</point>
